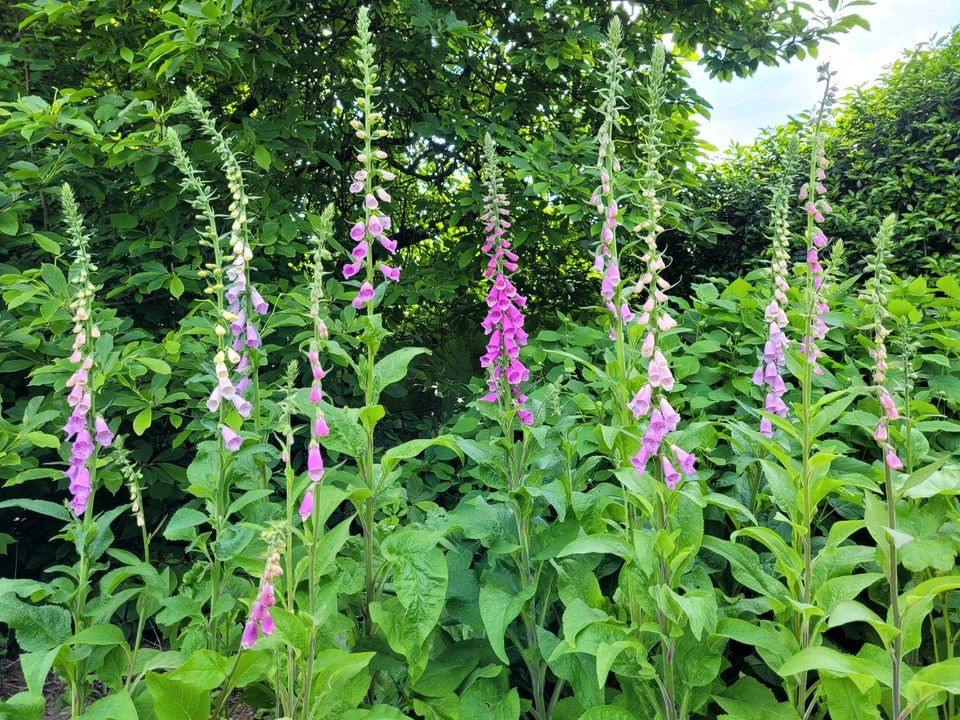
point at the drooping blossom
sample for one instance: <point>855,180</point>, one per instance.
<point>768,374</point>
<point>370,230</point>
<point>503,324</point>
<point>260,620</point>
<point>84,429</point>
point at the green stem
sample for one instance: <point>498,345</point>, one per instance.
<point>896,654</point>
<point>141,609</point>
<point>291,586</point>
<point>667,643</point>
<point>810,298</point>
<point>312,600</point>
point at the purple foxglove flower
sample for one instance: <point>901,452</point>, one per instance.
<point>365,295</point>
<point>639,461</point>
<point>389,245</point>
<point>315,394</point>
<point>104,435</point>
<point>358,232</point>
<point>360,251</point>
<point>525,416</point>
<point>350,270</point>
<point>370,201</point>
<point>267,626</point>
<point>390,273</point>
<point>766,427</point>
<point>314,462</point>
<point>259,304</point>
<point>306,505</point>
<point>231,440</point>
<point>640,405</point>
<point>893,462</point>
<point>646,348</point>
<point>253,337</point>
<point>250,634</point>
<point>320,428</point>
<point>671,418</point>
<point>241,405</point>
<point>880,434</point>
<point>687,460</point>
<point>670,476</point>
<point>375,226</point>
<point>213,402</point>
<point>356,187</point>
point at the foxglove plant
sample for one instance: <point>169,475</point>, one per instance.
<point>875,298</point>
<point>318,426</point>
<point>367,232</point>
<point>233,305</point>
<point>503,324</point>
<point>650,405</point>
<point>371,229</point>
<point>243,301</point>
<point>768,374</point>
<point>85,430</point>
<point>260,621</point>
<point>815,328</point>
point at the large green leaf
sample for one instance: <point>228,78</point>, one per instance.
<point>176,699</point>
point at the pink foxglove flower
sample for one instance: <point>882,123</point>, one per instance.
<point>504,321</point>
<point>260,620</point>
<point>768,373</point>
<point>231,440</point>
<point>82,431</point>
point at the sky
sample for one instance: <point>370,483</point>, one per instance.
<point>743,106</point>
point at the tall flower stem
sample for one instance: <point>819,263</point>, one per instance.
<point>811,295</point>
<point>875,300</point>
<point>367,233</point>
<point>504,327</point>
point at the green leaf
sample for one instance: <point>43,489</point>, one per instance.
<point>393,368</point>
<point>181,525</point>
<point>38,628</point>
<point>499,608</point>
<point>8,222</point>
<point>204,669</point>
<point>117,706</point>
<point>553,62</point>
<point>177,700</point>
<point>262,157</point>
<point>863,672</point>
<point>44,507</point>
<point>941,676</point>
<point>99,635</point>
<point>158,366</point>
<point>126,54</point>
<point>419,579</point>
<point>608,712</point>
<point>601,544</point>
<point>143,420</point>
